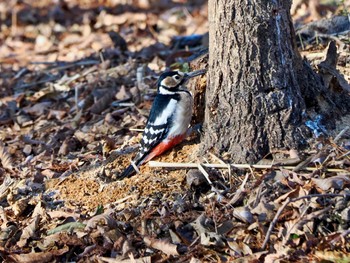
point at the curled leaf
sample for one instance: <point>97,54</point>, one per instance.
<point>164,246</point>
<point>337,182</point>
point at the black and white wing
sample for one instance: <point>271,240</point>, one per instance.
<point>157,127</point>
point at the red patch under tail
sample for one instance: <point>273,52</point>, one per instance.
<point>164,146</point>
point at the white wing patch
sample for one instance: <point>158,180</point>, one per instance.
<point>145,139</point>
<point>152,131</point>
<point>166,114</point>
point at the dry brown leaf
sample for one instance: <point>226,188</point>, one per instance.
<point>133,260</point>
<point>56,114</point>
<point>243,213</point>
<point>5,157</point>
<point>29,231</point>
<point>336,182</point>
<point>264,211</point>
<point>104,102</point>
<point>212,239</point>
<point>70,144</point>
<point>38,108</point>
<point>20,205</point>
<point>104,219</point>
<point>328,69</point>
<point>203,224</point>
<point>62,214</point>
<point>195,260</point>
<point>87,251</point>
<point>297,192</point>
<point>36,257</point>
<point>298,225</point>
<point>333,256</point>
<point>49,241</point>
<point>5,187</point>
<point>163,245</point>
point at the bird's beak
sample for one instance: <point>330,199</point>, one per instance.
<point>195,73</point>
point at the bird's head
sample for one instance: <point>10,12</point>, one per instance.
<point>172,81</point>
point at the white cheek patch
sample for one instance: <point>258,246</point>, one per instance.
<point>164,91</point>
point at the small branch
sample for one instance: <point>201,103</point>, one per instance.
<point>288,201</point>
<point>204,172</point>
<point>341,133</point>
<point>343,234</point>
<point>274,221</point>
<point>239,166</point>
<point>206,175</point>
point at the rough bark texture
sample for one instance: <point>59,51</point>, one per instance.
<point>254,102</point>
<point>260,91</point>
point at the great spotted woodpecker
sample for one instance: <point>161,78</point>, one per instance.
<point>169,118</point>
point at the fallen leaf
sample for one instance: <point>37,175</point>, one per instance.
<point>29,231</point>
<point>333,256</point>
<point>66,227</point>
<point>104,219</point>
<point>5,157</point>
<point>336,182</point>
<point>243,213</point>
<point>36,257</point>
<point>212,239</point>
<point>164,246</point>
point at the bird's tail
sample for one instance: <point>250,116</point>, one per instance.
<point>130,170</point>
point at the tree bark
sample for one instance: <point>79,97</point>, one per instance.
<point>260,91</point>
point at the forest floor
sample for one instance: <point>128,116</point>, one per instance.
<point>77,80</point>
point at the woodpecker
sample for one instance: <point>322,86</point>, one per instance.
<point>169,119</point>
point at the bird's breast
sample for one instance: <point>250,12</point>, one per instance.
<point>182,115</point>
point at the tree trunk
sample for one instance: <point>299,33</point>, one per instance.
<point>256,80</point>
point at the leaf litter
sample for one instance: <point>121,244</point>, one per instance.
<point>77,82</point>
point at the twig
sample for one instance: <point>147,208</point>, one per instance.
<point>63,65</point>
<point>288,201</point>
<point>204,172</point>
<point>294,224</point>
<point>239,192</point>
<point>222,162</point>
<point>239,166</point>
<point>206,175</point>
<point>123,104</point>
<point>345,154</point>
<point>342,235</point>
<point>135,167</point>
<point>274,221</point>
<point>49,79</point>
<point>301,42</point>
<point>134,129</point>
<point>338,137</point>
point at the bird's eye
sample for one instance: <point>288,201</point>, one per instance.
<point>177,77</point>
